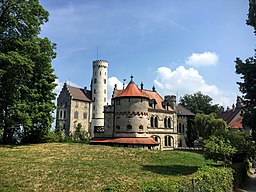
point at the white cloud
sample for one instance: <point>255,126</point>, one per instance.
<point>183,81</point>
<point>111,84</point>
<point>202,59</point>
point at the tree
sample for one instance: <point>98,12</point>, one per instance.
<point>26,74</point>
<point>199,103</point>
<point>192,132</point>
<point>219,148</point>
<point>247,70</point>
<point>208,125</point>
<point>244,145</point>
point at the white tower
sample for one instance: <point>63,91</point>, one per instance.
<point>99,94</point>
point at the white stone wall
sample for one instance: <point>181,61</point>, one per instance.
<point>134,112</point>
<point>99,92</point>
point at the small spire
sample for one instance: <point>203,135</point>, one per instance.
<point>131,77</point>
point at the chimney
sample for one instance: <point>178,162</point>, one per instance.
<point>141,85</point>
<point>153,88</point>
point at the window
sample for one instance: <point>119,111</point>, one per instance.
<point>141,127</point>
<point>84,115</point>
<point>60,114</point>
<point>76,103</point>
<point>152,122</point>
<point>155,138</point>
<point>179,128</point>
<point>165,122</point>
<point>167,141</point>
<point>94,107</point>
<point>156,122</point>
<point>118,127</point>
<point>100,72</point>
<point>105,81</point>
<point>129,127</point>
<point>183,128</point>
<point>94,91</point>
<point>105,99</point>
<point>64,115</point>
<point>76,114</point>
<point>105,91</point>
<point>169,123</point>
<point>95,80</point>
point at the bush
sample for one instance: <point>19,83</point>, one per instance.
<point>158,185</point>
<point>210,179</point>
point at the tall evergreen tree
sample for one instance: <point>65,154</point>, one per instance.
<point>26,74</point>
<point>247,70</point>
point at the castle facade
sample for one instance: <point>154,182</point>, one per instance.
<point>136,117</point>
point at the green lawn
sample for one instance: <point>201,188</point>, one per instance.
<point>81,167</point>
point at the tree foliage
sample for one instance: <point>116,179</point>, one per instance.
<point>26,74</point>
<point>199,103</point>
<point>247,70</point>
<point>208,125</point>
<point>219,148</point>
<point>192,132</point>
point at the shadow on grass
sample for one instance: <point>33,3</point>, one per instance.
<point>171,169</point>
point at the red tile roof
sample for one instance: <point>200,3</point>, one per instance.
<point>131,141</point>
<point>237,124</point>
<point>131,91</point>
<point>78,93</point>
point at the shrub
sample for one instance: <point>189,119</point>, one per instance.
<point>210,179</point>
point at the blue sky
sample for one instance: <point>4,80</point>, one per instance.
<point>178,46</point>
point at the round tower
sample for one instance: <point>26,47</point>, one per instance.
<point>99,94</point>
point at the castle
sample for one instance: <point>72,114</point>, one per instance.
<point>136,117</point>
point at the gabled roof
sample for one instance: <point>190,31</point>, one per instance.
<point>229,115</point>
<point>129,141</point>
<point>153,95</point>
<point>183,111</point>
<point>78,93</point>
<point>131,91</point>
<point>237,124</point>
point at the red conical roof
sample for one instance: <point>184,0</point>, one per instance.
<point>131,91</point>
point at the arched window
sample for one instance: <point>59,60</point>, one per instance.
<point>179,128</point>
<point>76,114</point>
<point>156,122</point>
<point>141,127</point>
<point>129,127</point>
<point>165,122</point>
<point>152,122</point>
<point>183,128</point>
<point>156,138</point>
<point>169,123</point>
<point>167,141</point>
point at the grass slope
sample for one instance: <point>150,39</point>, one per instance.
<point>81,167</point>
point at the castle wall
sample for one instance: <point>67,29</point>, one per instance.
<point>80,113</point>
<point>131,117</point>
<point>63,110</point>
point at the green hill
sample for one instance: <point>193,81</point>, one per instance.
<point>81,167</point>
